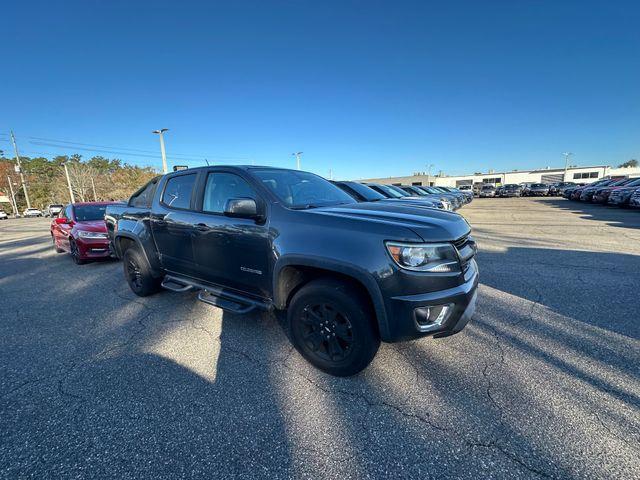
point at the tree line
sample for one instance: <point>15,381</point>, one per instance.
<point>47,183</point>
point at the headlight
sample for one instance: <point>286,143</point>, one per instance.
<point>425,257</point>
<point>83,234</point>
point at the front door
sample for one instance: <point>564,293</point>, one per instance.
<point>231,252</point>
<point>172,223</point>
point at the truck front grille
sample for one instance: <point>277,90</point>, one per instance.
<point>467,249</point>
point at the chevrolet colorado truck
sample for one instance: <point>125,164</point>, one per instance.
<point>343,275</point>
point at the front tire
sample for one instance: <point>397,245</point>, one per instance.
<point>330,324</point>
<point>138,273</point>
<point>75,253</point>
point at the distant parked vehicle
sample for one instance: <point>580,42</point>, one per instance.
<point>80,229</point>
<point>634,200</point>
<point>557,189</point>
<point>53,210</point>
<point>466,188</point>
<point>3,215</point>
<point>538,190</point>
<point>466,196</point>
<point>511,190</point>
<point>363,193</point>
<point>487,191</point>
<point>391,191</point>
<point>621,195</point>
<point>587,193</point>
<point>601,195</point>
<point>526,186</point>
<point>32,212</point>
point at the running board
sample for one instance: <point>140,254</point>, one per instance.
<point>175,285</point>
<point>229,301</point>
<point>224,303</point>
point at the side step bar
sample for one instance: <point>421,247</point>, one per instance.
<point>175,286</point>
<point>215,296</point>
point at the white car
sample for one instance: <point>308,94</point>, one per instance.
<point>53,210</point>
<point>32,212</point>
<point>3,215</point>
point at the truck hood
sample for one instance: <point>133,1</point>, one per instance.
<point>430,224</point>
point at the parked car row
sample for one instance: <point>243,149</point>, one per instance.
<point>621,192</point>
<point>345,265</point>
<point>526,189</point>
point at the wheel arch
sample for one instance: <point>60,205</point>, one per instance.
<point>292,272</point>
<point>125,240</point>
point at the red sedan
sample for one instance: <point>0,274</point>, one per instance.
<point>80,230</point>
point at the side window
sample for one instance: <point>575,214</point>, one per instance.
<point>68,212</point>
<point>221,187</point>
<point>144,197</point>
<point>177,193</point>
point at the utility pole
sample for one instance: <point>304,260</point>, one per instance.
<point>160,133</point>
<point>14,205</point>
<point>66,172</point>
<point>297,155</point>
<point>330,174</point>
<point>93,186</point>
<point>566,164</point>
<point>24,185</point>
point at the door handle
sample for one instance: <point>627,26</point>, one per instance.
<point>202,227</point>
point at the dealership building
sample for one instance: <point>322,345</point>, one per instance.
<point>545,175</point>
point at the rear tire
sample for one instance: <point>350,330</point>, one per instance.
<point>331,324</point>
<point>138,273</point>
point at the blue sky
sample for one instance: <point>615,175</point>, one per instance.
<point>363,88</point>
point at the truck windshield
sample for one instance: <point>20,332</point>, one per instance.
<point>302,189</point>
<point>89,213</point>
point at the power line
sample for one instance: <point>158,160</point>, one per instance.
<point>117,149</point>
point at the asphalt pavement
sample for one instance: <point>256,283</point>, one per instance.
<point>544,382</point>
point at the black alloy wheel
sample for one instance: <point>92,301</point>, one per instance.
<point>332,325</point>
<point>326,332</point>
<point>134,275</point>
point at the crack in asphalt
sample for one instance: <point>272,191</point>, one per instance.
<point>492,444</point>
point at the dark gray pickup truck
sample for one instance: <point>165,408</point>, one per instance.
<point>344,275</point>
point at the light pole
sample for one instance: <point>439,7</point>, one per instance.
<point>66,172</point>
<point>164,154</point>
<point>566,164</point>
<point>429,167</point>
<point>297,155</point>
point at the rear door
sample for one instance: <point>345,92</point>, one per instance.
<point>231,252</point>
<point>173,223</point>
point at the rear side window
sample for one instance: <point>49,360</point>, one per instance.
<point>144,197</point>
<point>177,193</point>
<point>222,187</point>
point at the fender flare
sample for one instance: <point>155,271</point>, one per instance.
<point>350,270</point>
<point>153,263</point>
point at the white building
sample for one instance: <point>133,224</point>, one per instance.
<point>546,175</point>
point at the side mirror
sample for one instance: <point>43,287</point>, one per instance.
<point>61,221</point>
<point>242,208</point>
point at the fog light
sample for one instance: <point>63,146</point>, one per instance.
<point>431,318</point>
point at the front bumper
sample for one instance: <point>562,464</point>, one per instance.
<point>93,248</point>
<point>401,310</point>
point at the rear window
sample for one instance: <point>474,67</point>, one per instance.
<point>177,192</point>
<point>89,213</point>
